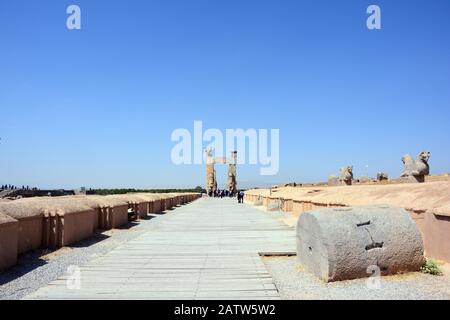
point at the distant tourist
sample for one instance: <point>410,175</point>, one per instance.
<point>241,197</point>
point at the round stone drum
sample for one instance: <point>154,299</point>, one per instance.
<point>355,242</point>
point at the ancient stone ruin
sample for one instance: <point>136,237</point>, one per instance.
<point>333,181</point>
<point>232,184</point>
<point>355,242</point>
<point>258,202</point>
<point>415,171</point>
<point>211,179</point>
<point>53,222</point>
<point>382,176</point>
<point>346,176</point>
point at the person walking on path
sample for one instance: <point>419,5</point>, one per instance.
<point>240,197</point>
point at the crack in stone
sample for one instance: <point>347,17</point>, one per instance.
<point>374,244</point>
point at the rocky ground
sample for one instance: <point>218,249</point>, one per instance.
<point>295,284</point>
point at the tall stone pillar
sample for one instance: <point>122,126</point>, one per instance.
<point>210,178</point>
<point>211,183</point>
<point>232,184</point>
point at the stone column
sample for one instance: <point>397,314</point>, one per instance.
<point>232,184</point>
<point>210,177</point>
<point>211,183</point>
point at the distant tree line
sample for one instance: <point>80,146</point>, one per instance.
<point>197,189</point>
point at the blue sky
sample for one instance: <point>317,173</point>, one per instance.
<point>96,107</point>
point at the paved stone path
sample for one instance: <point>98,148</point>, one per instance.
<point>208,249</point>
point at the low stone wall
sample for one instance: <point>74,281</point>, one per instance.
<point>156,206</point>
<point>47,222</point>
<point>436,229</point>
<point>287,205</point>
<point>102,207</point>
<point>30,234</point>
<point>142,210</point>
<point>113,213</point>
<point>9,230</point>
<point>427,203</point>
<point>74,227</point>
<point>136,203</point>
<point>29,215</point>
<point>67,221</point>
<point>117,217</point>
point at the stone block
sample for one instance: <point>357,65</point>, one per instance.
<point>346,243</point>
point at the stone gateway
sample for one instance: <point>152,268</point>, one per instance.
<point>211,179</point>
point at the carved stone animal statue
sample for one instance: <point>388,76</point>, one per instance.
<point>415,171</point>
<point>346,175</point>
<point>382,176</point>
<point>292,184</point>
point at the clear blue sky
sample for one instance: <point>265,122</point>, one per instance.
<point>96,107</point>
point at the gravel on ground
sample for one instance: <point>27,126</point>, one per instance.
<point>295,284</point>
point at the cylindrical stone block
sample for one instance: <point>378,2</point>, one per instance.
<point>348,243</point>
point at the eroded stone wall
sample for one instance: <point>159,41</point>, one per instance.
<point>28,224</point>
<point>427,203</point>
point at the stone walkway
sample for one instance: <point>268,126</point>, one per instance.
<point>208,249</point>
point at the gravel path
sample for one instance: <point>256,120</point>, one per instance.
<point>38,268</point>
<point>295,284</point>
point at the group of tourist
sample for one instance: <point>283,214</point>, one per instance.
<point>13,187</point>
<point>226,193</point>
<point>220,193</point>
